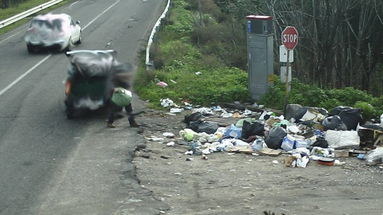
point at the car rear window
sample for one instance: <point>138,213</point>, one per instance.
<point>55,24</point>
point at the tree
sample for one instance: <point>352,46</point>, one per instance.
<point>340,40</point>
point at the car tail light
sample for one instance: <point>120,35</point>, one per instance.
<point>68,85</point>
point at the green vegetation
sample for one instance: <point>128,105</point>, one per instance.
<point>21,7</point>
<point>309,95</point>
<point>198,38</point>
<point>192,60</point>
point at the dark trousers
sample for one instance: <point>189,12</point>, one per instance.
<point>113,109</point>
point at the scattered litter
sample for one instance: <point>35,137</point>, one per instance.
<point>250,128</point>
<point>339,163</point>
<point>237,115</point>
<point>258,144</point>
<point>270,152</point>
<point>233,132</point>
<point>176,110</point>
<point>302,161</point>
<point>341,154</point>
<point>241,149</point>
<point>361,156</point>
<point>275,137</point>
<point>226,115</point>
<point>204,126</point>
<point>375,156</point>
<point>168,135</point>
<point>155,139</point>
<point>342,139</point>
<point>162,84</point>
<point>318,152</point>
<point>198,73</point>
<point>326,161</point>
<point>334,123</point>
<point>170,144</point>
<point>167,103</point>
<point>305,134</point>
<point>370,135</point>
<point>187,134</point>
<point>204,111</point>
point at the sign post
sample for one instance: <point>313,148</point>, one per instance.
<point>289,38</point>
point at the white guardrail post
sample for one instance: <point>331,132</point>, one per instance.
<point>29,12</point>
<point>154,30</point>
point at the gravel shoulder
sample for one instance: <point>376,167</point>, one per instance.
<point>237,183</point>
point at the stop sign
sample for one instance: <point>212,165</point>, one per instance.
<point>290,37</point>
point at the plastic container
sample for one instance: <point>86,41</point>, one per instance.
<point>326,161</point>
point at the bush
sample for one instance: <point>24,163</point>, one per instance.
<point>275,96</point>
<point>368,111</point>
<point>309,95</point>
<point>349,96</point>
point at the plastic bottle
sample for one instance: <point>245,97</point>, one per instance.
<point>257,145</point>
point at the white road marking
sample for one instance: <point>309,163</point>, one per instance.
<point>48,56</point>
<point>23,75</point>
<point>73,4</point>
<point>1,41</point>
<point>106,10</point>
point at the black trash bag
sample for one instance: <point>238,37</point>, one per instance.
<point>203,126</point>
<point>320,142</point>
<point>192,117</point>
<point>350,116</point>
<point>291,111</point>
<point>334,123</point>
<point>275,138</point>
<point>251,129</point>
<point>193,125</point>
<point>337,110</point>
<point>300,113</point>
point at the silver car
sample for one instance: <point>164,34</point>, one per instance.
<point>52,31</point>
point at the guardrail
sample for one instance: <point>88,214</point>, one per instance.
<point>154,30</point>
<point>29,12</point>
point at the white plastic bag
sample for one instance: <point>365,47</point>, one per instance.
<point>375,156</point>
<point>340,139</point>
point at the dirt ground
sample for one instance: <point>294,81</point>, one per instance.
<point>228,183</point>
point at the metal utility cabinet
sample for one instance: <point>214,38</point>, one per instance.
<point>260,54</point>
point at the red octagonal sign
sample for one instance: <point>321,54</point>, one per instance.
<point>290,37</point>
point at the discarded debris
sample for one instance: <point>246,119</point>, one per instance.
<point>375,156</point>
<point>167,103</point>
<point>305,134</point>
<point>168,135</point>
<point>162,84</point>
<point>170,144</point>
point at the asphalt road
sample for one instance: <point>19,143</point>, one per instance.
<point>51,165</point>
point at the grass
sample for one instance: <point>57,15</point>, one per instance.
<point>9,12</point>
<point>184,47</point>
<point>191,75</point>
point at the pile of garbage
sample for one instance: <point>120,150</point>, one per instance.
<point>304,133</point>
